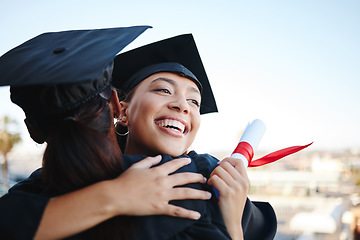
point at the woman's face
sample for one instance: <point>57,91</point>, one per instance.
<point>163,115</point>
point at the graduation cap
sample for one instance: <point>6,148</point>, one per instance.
<point>57,71</point>
<point>177,54</point>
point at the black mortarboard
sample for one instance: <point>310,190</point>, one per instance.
<point>177,54</point>
<point>41,70</point>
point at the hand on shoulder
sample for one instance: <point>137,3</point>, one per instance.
<point>146,190</point>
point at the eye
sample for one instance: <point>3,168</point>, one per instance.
<point>162,90</point>
<point>195,102</point>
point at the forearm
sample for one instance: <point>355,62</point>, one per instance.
<point>232,218</point>
<point>235,232</point>
<point>75,212</point>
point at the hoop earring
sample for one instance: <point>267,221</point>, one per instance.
<point>118,133</point>
<point>122,134</point>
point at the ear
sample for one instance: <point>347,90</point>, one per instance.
<point>124,113</point>
<point>115,103</point>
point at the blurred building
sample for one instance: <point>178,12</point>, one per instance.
<point>311,193</point>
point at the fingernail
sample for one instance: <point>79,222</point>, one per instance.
<point>187,160</point>
<point>196,216</point>
<point>208,195</point>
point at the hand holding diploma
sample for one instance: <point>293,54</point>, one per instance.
<point>230,180</point>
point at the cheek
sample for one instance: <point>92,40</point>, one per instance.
<point>196,121</point>
<point>141,114</point>
<point>135,114</point>
<point>195,125</point>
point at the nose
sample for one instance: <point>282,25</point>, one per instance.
<point>180,105</point>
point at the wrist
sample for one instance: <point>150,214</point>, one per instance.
<point>106,199</point>
<point>235,230</point>
<point>237,235</point>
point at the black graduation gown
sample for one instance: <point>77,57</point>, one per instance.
<point>22,207</point>
<point>21,210</point>
<point>259,219</point>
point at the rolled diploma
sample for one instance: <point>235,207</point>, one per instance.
<point>252,135</point>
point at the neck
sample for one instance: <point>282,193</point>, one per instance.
<point>150,153</point>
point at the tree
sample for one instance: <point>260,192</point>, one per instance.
<point>7,141</point>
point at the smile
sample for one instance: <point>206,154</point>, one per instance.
<point>172,124</point>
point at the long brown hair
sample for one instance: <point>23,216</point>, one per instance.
<point>80,152</point>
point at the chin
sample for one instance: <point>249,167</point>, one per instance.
<point>173,153</point>
<point>173,148</point>
<point>176,155</point>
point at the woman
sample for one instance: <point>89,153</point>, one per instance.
<point>62,82</point>
<point>164,89</point>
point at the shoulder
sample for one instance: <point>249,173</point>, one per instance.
<point>205,157</point>
<point>32,184</point>
<point>205,163</point>
<point>23,206</point>
<point>129,160</point>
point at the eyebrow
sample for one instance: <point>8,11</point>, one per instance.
<point>172,82</point>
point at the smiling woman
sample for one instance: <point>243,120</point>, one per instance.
<point>164,107</point>
<point>161,98</point>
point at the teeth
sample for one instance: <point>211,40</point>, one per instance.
<point>173,124</point>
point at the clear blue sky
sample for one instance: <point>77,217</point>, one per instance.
<point>293,64</point>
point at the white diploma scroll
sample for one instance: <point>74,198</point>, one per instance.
<point>252,135</point>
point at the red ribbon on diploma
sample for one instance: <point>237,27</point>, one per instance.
<point>248,143</point>
<point>247,151</point>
